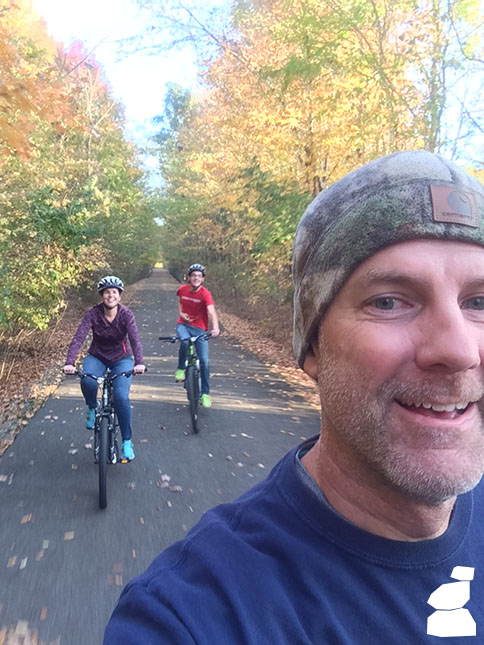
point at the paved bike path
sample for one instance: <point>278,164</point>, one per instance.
<point>63,561</point>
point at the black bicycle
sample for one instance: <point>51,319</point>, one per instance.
<point>192,382</point>
<point>106,426</point>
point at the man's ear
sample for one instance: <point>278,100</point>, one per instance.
<point>310,365</point>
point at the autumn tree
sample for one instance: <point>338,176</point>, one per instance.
<point>293,95</point>
<point>73,200</point>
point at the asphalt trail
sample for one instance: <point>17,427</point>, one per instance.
<point>63,561</point>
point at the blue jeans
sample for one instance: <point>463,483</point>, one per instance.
<point>201,345</point>
<point>122,405</point>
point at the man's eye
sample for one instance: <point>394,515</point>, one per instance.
<point>384,302</point>
<point>476,303</point>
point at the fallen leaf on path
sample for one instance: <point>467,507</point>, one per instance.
<point>165,478</point>
<point>176,489</point>
<point>23,563</point>
<point>69,535</point>
<point>229,458</point>
<point>131,484</point>
<point>26,518</point>
<point>74,466</point>
<point>143,440</point>
<point>260,466</point>
<point>73,451</point>
<point>142,520</point>
<point>169,504</point>
<point>43,613</point>
<point>133,553</point>
<point>11,562</point>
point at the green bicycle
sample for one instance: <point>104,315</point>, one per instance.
<point>192,382</point>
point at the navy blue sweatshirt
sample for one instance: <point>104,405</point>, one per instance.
<point>280,566</point>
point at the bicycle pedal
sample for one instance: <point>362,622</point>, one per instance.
<point>124,460</point>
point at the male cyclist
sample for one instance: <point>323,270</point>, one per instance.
<point>196,315</point>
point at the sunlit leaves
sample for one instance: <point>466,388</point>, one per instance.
<point>297,94</point>
<point>72,197</point>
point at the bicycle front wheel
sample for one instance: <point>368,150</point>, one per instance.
<point>193,395</point>
<point>103,461</point>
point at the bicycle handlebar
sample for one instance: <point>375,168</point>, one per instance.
<point>100,379</point>
<point>174,339</point>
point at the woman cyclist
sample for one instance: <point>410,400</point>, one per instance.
<point>112,326</point>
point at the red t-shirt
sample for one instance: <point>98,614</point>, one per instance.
<point>195,303</point>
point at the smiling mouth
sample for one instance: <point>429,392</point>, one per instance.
<point>438,410</point>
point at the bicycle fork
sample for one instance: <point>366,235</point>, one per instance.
<point>113,451</point>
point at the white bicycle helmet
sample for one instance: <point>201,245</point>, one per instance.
<point>110,282</point>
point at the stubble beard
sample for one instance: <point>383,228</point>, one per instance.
<point>360,420</point>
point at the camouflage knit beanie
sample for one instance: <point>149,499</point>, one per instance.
<point>404,196</point>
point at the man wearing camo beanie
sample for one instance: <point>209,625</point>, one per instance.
<point>370,532</point>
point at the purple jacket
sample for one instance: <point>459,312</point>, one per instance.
<point>109,339</point>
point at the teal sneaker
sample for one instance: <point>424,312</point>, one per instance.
<point>128,452</point>
<point>90,418</point>
<point>205,401</point>
<point>179,375</point>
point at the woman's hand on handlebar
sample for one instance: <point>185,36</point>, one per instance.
<point>139,369</point>
<point>215,332</point>
<point>69,369</point>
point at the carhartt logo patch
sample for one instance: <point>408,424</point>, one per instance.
<point>454,206</point>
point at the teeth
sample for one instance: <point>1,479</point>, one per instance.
<point>437,407</point>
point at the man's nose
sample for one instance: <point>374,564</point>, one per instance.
<point>449,340</point>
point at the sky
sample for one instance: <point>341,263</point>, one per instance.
<point>138,81</point>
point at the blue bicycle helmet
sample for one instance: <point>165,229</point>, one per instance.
<point>196,267</point>
<point>110,282</point>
